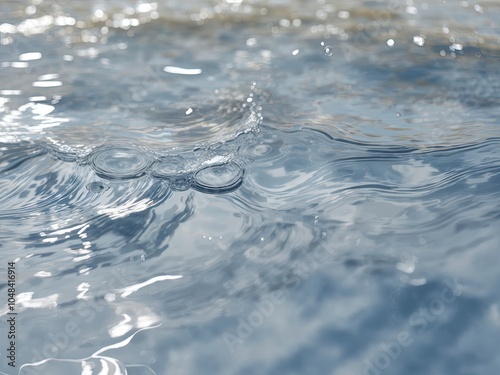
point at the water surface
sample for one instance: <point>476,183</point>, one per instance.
<point>251,187</point>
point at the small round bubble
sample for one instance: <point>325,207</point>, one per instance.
<point>119,163</point>
<point>328,50</point>
<point>97,187</point>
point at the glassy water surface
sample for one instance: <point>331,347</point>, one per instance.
<point>250,187</point>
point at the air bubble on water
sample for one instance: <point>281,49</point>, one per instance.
<point>328,50</point>
<point>181,182</point>
<point>219,178</point>
<point>119,162</point>
<point>398,114</point>
<point>97,187</point>
<point>390,42</point>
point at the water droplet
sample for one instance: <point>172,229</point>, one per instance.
<point>97,187</point>
<point>119,163</point>
<point>328,50</point>
<point>398,114</point>
<point>218,179</point>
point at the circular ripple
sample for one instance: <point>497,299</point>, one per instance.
<point>218,179</point>
<point>119,163</point>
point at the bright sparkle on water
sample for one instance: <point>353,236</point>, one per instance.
<point>419,40</point>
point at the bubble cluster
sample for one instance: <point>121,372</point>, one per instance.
<point>179,172</point>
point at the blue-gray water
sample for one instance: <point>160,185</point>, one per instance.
<point>250,187</point>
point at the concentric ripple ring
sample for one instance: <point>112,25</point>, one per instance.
<point>219,179</point>
<point>119,163</point>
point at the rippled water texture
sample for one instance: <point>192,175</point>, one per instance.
<point>250,187</point>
